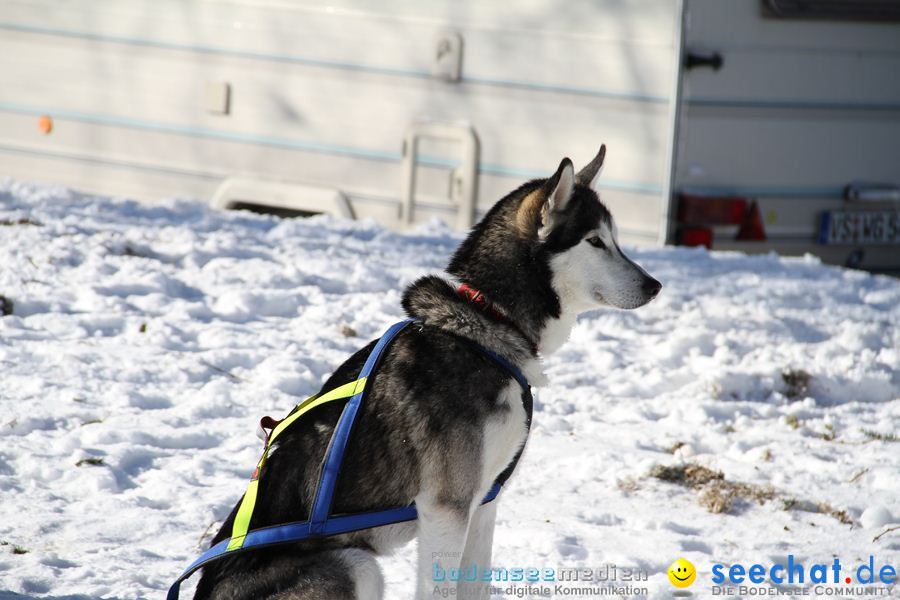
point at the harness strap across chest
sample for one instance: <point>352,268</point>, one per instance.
<point>321,523</point>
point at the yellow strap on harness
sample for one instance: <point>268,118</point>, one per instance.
<point>248,502</point>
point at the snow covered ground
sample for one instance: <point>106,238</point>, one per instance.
<point>145,342</point>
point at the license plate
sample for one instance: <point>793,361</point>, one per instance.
<point>860,227</point>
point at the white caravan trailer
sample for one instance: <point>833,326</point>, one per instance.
<point>747,124</point>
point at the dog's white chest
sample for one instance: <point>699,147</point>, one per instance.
<point>504,434</point>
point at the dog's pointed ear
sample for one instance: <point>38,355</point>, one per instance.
<point>557,191</point>
<point>537,210</point>
<point>591,171</point>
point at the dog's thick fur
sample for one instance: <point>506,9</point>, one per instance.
<point>440,421</point>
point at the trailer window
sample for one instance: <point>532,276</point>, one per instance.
<point>835,10</point>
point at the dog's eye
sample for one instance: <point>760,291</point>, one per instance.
<point>596,242</point>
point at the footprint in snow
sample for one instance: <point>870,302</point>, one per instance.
<point>570,547</point>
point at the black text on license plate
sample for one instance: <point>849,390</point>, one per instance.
<point>860,227</point>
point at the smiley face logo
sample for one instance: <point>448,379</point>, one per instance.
<point>682,573</point>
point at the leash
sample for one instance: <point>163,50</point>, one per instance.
<point>320,524</point>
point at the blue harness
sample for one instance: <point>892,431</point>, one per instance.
<point>320,523</point>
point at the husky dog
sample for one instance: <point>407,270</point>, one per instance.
<point>440,420</point>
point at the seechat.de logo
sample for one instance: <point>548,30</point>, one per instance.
<point>796,572</point>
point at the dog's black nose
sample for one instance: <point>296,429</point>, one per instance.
<point>651,287</point>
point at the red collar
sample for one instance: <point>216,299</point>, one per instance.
<point>477,297</point>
